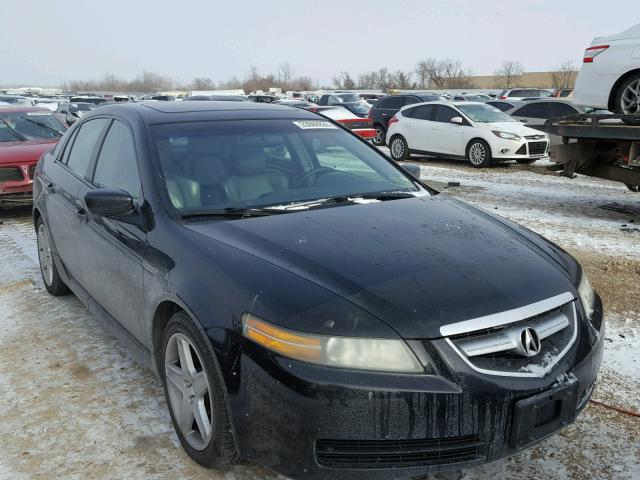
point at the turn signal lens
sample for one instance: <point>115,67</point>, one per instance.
<point>375,354</point>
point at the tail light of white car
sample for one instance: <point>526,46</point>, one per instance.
<point>392,120</point>
<point>592,52</point>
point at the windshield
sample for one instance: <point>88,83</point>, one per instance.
<point>29,126</point>
<point>484,113</point>
<point>360,109</point>
<point>537,93</point>
<point>84,107</point>
<point>476,98</point>
<point>349,97</point>
<point>253,164</point>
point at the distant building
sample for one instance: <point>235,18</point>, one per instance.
<point>528,79</point>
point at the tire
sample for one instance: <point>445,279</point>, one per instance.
<point>479,153</point>
<point>633,188</point>
<point>187,391</point>
<point>627,101</point>
<point>399,148</point>
<point>381,134</point>
<point>50,276</point>
<point>526,161</point>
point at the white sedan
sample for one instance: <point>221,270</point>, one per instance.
<point>473,131</point>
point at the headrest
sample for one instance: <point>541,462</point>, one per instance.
<point>208,168</point>
<point>250,160</point>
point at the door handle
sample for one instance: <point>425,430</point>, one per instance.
<point>81,214</point>
<point>51,188</point>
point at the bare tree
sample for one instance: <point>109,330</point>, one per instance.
<point>344,81</point>
<point>442,74</point>
<point>509,73</point>
<point>285,73</point>
<point>203,83</point>
<point>565,75</point>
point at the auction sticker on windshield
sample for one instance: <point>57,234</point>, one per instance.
<point>306,124</point>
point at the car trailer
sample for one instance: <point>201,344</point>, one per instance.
<point>604,146</point>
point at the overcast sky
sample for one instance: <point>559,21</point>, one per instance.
<point>44,42</point>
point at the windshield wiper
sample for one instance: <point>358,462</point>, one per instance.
<point>230,212</point>
<point>13,131</point>
<point>44,125</point>
<point>338,199</point>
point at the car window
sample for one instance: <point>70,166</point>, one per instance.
<point>444,114</point>
<point>533,110</point>
<point>560,110</point>
<point>411,100</point>
<point>391,103</point>
<point>502,106</point>
<point>516,93</point>
<point>423,112</point>
<point>84,145</point>
<point>117,164</point>
<point>67,148</point>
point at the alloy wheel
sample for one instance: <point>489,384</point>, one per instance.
<point>477,153</point>
<point>189,391</point>
<point>630,99</point>
<point>44,255</point>
<point>378,138</point>
<point>397,148</point>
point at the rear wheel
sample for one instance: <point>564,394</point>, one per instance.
<point>399,148</point>
<point>627,100</point>
<point>52,281</point>
<point>194,392</point>
<point>381,133</point>
<point>479,153</point>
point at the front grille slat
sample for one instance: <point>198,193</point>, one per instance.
<point>10,174</point>
<point>398,453</point>
<point>537,148</point>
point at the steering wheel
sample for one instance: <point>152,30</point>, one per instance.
<point>313,173</point>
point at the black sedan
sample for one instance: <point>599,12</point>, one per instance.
<point>308,304</point>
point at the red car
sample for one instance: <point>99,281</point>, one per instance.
<point>25,134</point>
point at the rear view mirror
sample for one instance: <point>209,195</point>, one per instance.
<point>457,120</point>
<point>109,203</point>
<point>412,169</point>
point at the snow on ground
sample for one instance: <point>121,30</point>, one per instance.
<point>74,404</point>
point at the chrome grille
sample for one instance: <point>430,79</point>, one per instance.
<point>495,344</point>
<point>10,173</point>
<point>534,137</point>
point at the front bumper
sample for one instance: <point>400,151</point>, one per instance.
<point>298,418</point>
<point>16,183</point>
<point>525,149</point>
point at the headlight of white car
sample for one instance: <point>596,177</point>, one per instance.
<point>587,295</point>
<point>377,354</point>
<point>506,135</point>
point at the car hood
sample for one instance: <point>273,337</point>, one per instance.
<point>416,264</point>
<point>512,127</point>
<point>24,152</point>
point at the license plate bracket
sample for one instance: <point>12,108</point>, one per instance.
<point>540,415</point>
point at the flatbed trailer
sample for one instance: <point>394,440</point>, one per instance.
<point>604,146</point>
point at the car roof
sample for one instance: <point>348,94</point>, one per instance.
<point>24,109</point>
<point>169,112</point>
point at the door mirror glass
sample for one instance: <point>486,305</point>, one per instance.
<point>109,203</point>
<point>457,120</point>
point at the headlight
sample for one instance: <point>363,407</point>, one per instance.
<point>382,355</point>
<point>587,295</point>
<point>506,135</point>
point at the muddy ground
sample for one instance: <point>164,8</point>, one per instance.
<point>74,404</point>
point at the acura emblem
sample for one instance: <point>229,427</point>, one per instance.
<point>529,342</point>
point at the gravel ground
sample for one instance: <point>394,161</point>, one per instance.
<point>74,403</point>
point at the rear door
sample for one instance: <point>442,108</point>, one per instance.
<point>387,108</point>
<point>446,137</point>
<point>111,249</point>
<point>532,113</point>
<point>65,179</point>
<point>419,129</point>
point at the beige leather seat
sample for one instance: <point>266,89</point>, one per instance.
<point>183,191</point>
<point>208,170</point>
<point>251,178</point>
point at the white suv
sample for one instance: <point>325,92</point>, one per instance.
<point>610,74</point>
<point>474,131</point>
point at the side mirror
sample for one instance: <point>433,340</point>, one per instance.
<point>412,169</point>
<point>457,120</point>
<point>109,203</point>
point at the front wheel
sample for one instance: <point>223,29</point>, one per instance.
<point>194,392</point>
<point>50,276</point>
<point>381,133</point>
<point>479,153</point>
<point>399,148</point>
